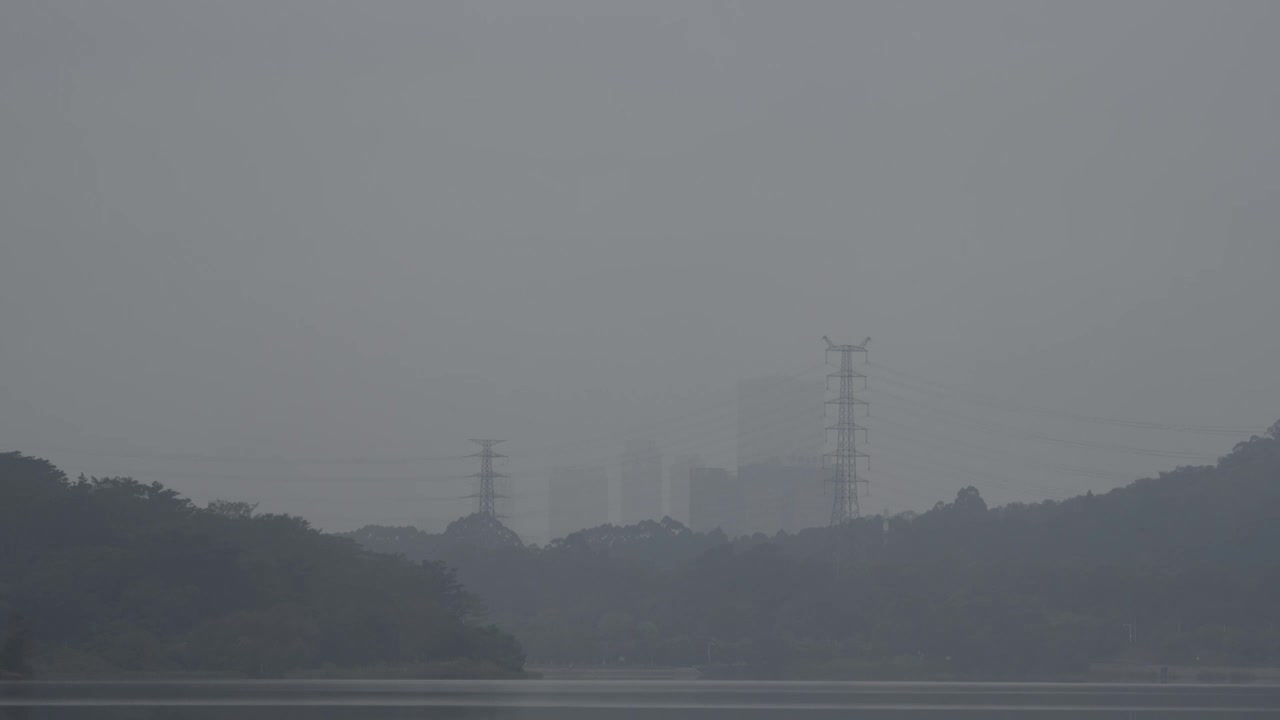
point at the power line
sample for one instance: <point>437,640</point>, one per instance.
<point>998,427</point>
<point>249,459</point>
<point>998,404</point>
<point>648,428</point>
<point>547,450</point>
<point>290,479</point>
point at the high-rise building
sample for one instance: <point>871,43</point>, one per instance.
<point>781,437</point>
<point>640,485</point>
<point>783,497</point>
<point>781,421</point>
<point>578,497</point>
<point>715,501</point>
<point>678,487</point>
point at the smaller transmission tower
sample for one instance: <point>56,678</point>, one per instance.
<point>844,502</point>
<point>485,494</point>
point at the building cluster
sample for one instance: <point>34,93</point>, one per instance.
<point>779,482</point>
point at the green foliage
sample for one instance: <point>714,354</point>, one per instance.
<point>121,575</point>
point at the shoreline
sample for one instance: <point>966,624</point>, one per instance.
<point>1098,674</point>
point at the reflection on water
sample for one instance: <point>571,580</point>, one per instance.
<point>615,700</point>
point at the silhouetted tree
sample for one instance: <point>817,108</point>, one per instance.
<point>15,649</point>
<point>116,574</point>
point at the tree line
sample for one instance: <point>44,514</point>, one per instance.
<point>1179,569</point>
<point>113,575</point>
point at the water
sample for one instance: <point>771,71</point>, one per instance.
<point>615,700</point>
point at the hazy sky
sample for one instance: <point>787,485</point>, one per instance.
<point>235,236</point>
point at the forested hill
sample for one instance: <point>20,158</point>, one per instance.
<point>109,575</point>
<point>1180,569</point>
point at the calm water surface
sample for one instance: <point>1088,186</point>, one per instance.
<point>614,700</point>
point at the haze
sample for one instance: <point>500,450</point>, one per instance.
<point>298,253</point>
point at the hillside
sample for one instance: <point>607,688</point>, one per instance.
<point>111,575</point>
<point>1181,569</point>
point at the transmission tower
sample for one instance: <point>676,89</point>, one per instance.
<point>485,494</point>
<point>844,503</point>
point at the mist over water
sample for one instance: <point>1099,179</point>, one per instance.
<point>297,253</point>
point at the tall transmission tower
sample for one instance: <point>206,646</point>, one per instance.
<point>485,494</point>
<point>844,503</point>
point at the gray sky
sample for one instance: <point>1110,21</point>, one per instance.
<point>235,236</point>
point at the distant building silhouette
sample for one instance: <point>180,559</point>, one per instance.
<point>763,498</point>
<point>640,486</point>
<point>578,497</point>
<point>715,501</point>
<point>781,437</point>
<point>781,421</point>
<point>678,487</point>
<point>783,497</point>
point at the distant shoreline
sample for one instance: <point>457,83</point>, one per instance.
<point>1099,673</point>
<point>1184,674</point>
<point>391,673</point>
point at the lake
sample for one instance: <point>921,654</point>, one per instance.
<point>615,700</point>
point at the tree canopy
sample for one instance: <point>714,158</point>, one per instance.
<point>116,575</point>
<point>1182,569</point>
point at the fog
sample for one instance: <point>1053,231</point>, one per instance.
<point>298,253</point>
